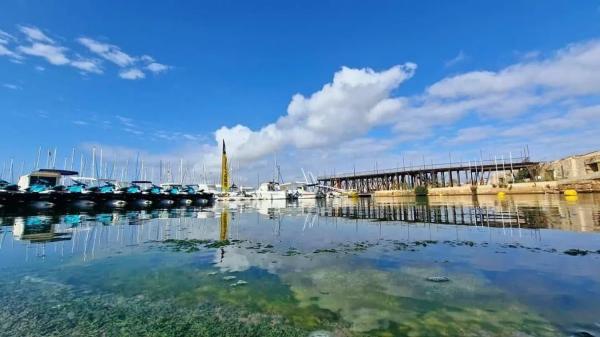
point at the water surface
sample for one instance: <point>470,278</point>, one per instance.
<point>520,266</point>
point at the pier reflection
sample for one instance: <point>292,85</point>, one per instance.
<point>110,231</point>
<point>530,211</point>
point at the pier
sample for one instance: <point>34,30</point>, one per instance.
<point>433,175</point>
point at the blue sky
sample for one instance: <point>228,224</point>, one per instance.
<point>430,79</point>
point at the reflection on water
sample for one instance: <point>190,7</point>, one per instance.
<point>339,268</point>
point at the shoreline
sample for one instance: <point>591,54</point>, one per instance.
<point>543,187</point>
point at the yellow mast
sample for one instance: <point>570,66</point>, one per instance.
<point>224,171</point>
<point>224,225</point>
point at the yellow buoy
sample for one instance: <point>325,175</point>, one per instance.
<point>352,194</point>
<point>501,195</point>
<point>571,199</point>
<point>570,193</point>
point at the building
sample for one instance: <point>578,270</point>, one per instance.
<point>578,167</point>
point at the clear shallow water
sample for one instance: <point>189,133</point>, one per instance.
<point>342,268</point>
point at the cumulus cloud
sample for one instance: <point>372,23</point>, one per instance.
<point>496,105</point>
<point>354,102</point>
<point>132,74</point>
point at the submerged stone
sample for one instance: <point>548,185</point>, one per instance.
<point>438,279</point>
<point>583,333</point>
<point>229,278</point>
<point>329,250</point>
<point>218,244</point>
<point>576,252</point>
<point>238,283</point>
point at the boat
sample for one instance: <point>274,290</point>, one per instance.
<point>5,186</point>
<point>134,194</point>
<point>44,181</point>
<point>272,191</point>
<point>302,190</point>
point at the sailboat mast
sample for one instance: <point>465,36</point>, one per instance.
<point>224,170</point>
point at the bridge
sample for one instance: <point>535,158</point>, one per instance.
<point>480,172</point>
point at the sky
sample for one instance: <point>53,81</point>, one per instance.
<point>324,86</point>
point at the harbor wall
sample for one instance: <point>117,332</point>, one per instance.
<point>542,187</point>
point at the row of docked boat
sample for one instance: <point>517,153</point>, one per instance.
<point>273,191</point>
<point>46,188</point>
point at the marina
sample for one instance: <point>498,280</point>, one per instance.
<point>300,169</point>
<point>42,189</point>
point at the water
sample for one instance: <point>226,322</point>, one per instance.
<point>383,267</point>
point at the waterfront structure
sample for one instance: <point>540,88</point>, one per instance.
<point>435,175</point>
<point>577,167</point>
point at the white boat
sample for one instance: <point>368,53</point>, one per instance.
<point>43,180</point>
<point>271,191</point>
<point>301,190</point>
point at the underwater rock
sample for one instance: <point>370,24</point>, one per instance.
<point>438,279</point>
<point>212,273</point>
<point>576,252</point>
<point>320,333</point>
<point>292,252</point>
<point>229,278</point>
<point>238,283</point>
<point>583,333</point>
<point>326,250</point>
<point>218,244</point>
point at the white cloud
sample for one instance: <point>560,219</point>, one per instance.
<point>348,107</point>
<point>5,39</point>
<point>11,86</point>
<point>80,123</point>
<point>132,74</point>
<point>38,43</point>
<point>39,68</point>
<point>87,66</point>
<point>35,34</point>
<point>108,51</point>
<point>147,58</point>
<point>52,53</point>
<point>572,73</point>
<point>572,70</point>
<point>473,134</point>
<point>125,121</point>
<point>157,67</point>
<point>4,51</point>
<point>460,57</point>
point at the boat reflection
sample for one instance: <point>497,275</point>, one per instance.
<point>115,230</point>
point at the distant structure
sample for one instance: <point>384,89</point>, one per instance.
<point>453,174</point>
<point>224,171</point>
<point>577,167</point>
